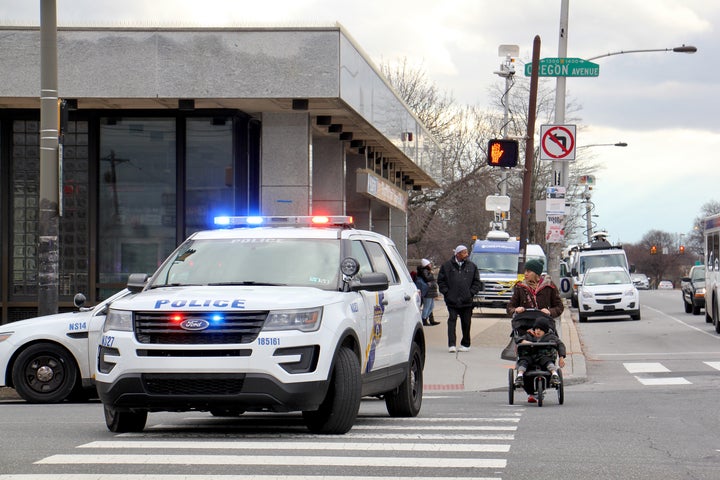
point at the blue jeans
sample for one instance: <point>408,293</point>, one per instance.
<point>428,305</point>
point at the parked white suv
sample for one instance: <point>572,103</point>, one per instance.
<point>270,314</point>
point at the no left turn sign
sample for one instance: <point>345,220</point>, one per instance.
<point>557,142</point>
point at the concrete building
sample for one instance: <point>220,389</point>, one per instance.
<point>170,127</point>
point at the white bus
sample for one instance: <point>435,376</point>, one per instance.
<point>712,270</point>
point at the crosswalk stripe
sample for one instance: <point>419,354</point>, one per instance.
<point>663,381</point>
<point>359,436</point>
<point>434,427</point>
<point>121,476</point>
<point>645,367</point>
<point>281,460</point>
<point>289,445</point>
<point>715,365</point>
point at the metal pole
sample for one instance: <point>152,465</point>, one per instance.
<point>48,247</point>
<point>560,167</point>
<point>529,155</point>
<point>588,213</point>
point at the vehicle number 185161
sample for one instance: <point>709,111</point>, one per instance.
<point>268,341</point>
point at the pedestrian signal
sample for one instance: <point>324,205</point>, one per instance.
<point>682,249</point>
<point>502,153</point>
<point>653,250</point>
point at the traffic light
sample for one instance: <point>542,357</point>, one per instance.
<point>502,153</point>
<point>653,250</point>
<point>682,249</point>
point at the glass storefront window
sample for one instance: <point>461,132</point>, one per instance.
<point>137,196</point>
<point>209,173</point>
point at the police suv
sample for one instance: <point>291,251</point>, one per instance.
<point>269,314</point>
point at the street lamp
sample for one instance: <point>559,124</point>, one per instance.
<point>618,144</point>
<point>680,49</point>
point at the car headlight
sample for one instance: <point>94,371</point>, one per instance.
<point>118,320</point>
<point>699,292</point>
<point>630,292</point>
<point>305,320</point>
<point>586,294</point>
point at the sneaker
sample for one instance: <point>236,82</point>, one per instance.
<point>463,348</point>
<point>519,381</point>
<point>531,399</point>
<point>554,379</point>
<point>452,349</point>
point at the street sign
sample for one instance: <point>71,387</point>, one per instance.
<point>557,142</point>
<point>586,180</point>
<point>564,67</point>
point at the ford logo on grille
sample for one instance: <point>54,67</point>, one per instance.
<point>194,324</point>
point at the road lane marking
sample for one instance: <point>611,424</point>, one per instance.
<point>364,436</point>
<point>682,323</point>
<point>154,476</point>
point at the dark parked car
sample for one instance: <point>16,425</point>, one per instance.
<point>693,290</point>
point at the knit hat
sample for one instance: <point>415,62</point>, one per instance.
<point>460,248</point>
<point>425,262</point>
<point>534,265</point>
<point>543,324</point>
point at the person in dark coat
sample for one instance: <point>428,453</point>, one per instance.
<point>424,272</point>
<point>459,281</point>
<point>536,291</point>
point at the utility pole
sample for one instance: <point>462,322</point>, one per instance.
<point>48,215</point>
<point>529,155</point>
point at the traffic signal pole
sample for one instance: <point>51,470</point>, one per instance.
<point>561,168</point>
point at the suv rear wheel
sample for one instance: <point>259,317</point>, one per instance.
<point>406,399</point>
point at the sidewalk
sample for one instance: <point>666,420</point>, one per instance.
<point>482,369</point>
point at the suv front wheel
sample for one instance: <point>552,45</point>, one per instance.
<point>338,411</point>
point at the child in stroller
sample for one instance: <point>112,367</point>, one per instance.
<point>537,346</point>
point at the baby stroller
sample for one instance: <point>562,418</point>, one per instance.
<point>536,380</point>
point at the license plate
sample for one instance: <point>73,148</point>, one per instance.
<point>609,308</point>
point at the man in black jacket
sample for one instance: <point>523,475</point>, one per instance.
<point>459,281</point>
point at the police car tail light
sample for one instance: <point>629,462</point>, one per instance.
<point>344,221</point>
<point>305,320</point>
<point>118,320</point>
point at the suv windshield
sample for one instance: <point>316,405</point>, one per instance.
<point>606,278</point>
<point>607,260</point>
<point>496,262</point>
<point>253,261</point>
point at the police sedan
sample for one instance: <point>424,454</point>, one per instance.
<point>51,358</point>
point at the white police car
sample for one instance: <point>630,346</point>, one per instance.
<point>52,358</point>
<point>270,314</point>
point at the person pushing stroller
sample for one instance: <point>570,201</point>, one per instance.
<point>543,357</point>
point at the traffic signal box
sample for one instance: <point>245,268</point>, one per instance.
<point>502,153</point>
<point>653,250</point>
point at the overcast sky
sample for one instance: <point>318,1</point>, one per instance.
<point>664,105</point>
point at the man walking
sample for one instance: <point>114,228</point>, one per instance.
<point>459,281</point>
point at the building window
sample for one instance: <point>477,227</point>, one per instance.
<point>209,175</point>
<point>136,197</point>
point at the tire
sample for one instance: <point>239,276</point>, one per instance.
<point>574,301</point>
<point>582,318</point>
<point>540,388</point>
<point>696,309</point>
<point>635,316</point>
<point>45,373</point>
<point>406,399</point>
<point>561,388</point>
<point>688,307</point>
<point>122,422</point>
<point>338,411</point>
<point>716,321</point>
<point>708,318</point>
<point>511,386</point>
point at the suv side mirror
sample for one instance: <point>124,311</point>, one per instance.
<point>370,281</point>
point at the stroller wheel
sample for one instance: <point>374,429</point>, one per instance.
<point>511,386</point>
<point>561,388</point>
